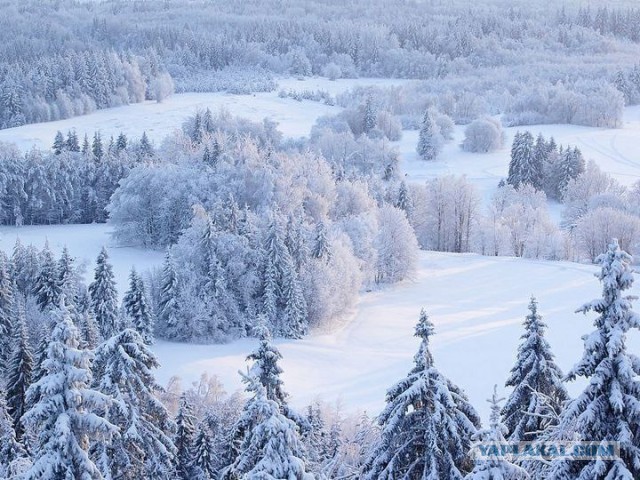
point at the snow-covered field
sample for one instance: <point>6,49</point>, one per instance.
<point>295,118</point>
<point>614,150</point>
<point>477,303</point>
<point>84,243</point>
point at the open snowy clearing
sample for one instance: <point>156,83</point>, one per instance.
<point>614,150</point>
<point>477,304</point>
<point>295,118</point>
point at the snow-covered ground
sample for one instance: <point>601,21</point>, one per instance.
<point>614,150</point>
<point>295,118</point>
<point>84,243</point>
<point>477,303</point>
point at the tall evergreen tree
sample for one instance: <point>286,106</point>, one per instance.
<point>66,413</point>
<point>47,286</point>
<point>495,467</point>
<point>67,276</point>
<point>321,248</point>
<point>71,143</point>
<point>104,297</point>
<point>7,313</point>
<point>204,453</point>
<point>12,451</point>
<point>144,449</point>
<point>184,439</point>
<point>429,140</point>
<point>168,308</point>
<point>524,167</point>
<point>271,449</point>
<point>608,408</point>
<point>136,307</point>
<point>96,147</point>
<point>58,143</point>
<point>538,391</point>
<point>19,373</point>
<point>427,424</point>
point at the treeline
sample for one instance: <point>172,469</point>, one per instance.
<point>118,422</point>
<point>73,183</point>
<point>89,55</point>
<point>73,83</point>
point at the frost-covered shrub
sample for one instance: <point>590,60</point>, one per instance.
<point>483,135</point>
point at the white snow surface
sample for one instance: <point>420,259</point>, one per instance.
<point>476,303</point>
<point>84,243</point>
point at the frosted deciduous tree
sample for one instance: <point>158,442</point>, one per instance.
<point>396,245</point>
<point>483,135</point>
<point>607,409</point>
<point>426,426</point>
<point>538,392</point>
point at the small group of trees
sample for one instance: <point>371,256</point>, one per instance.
<point>543,164</point>
<point>428,425</point>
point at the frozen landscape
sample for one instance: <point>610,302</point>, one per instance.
<point>476,303</point>
<point>297,240</point>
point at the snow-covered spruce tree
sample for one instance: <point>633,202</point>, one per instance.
<point>321,248</point>
<point>429,140</point>
<point>67,276</point>
<point>168,308</point>
<point>205,463</point>
<point>47,286</point>
<point>266,371</point>
<point>65,415</point>
<point>534,377</point>
<point>19,373</point>
<point>427,425</point>
<point>403,201</point>
<point>495,467</point>
<point>282,299</point>
<point>7,314</point>
<point>524,167</point>
<point>184,439</point>
<point>144,448</point>
<point>104,296</point>
<point>137,309</point>
<point>608,408</point>
<point>12,452</point>
<point>295,323</point>
<point>271,449</point>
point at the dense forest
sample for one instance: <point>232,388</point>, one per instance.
<point>533,64</point>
